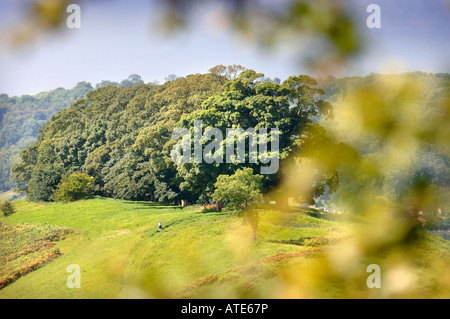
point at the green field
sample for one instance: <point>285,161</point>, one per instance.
<point>198,254</point>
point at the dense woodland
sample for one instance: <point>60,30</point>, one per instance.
<point>20,119</point>
<point>120,133</point>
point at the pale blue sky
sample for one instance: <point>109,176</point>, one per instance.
<point>116,40</point>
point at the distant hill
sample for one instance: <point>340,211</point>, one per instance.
<point>21,117</point>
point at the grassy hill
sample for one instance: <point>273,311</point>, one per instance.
<point>198,254</point>
<point>118,248</point>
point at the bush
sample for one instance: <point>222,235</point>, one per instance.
<point>7,208</point>
<point>74,187</point>
<point>240,190</point>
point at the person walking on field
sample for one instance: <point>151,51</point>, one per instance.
<point>160,226</point>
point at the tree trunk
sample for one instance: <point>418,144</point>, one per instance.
<point>254,225</point>
<point>219,206</point>
<point>283,203</point>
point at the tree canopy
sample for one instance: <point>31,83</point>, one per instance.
<point>121,136</point>
<point>74,187</point>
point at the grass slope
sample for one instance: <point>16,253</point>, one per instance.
<point>121,254</point>
<point>25,247</point>
<point>201,255</point>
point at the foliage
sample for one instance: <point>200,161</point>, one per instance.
<point>239,190</point>
<point>7,208</point>
<point>381,108</point>
<point>26,247</point>
<point>20,119</point>
<point>122,135</point>
<point>74,187</point>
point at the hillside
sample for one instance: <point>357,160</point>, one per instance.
<point>20,119</point>
<point>22,116</point>
<point>120,252</point>
<point>202,254</point>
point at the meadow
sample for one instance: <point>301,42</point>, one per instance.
<point>199,253</point>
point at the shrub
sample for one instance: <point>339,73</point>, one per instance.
<point>240,190</point>
<point>74,187</point>
<point>7,208</point>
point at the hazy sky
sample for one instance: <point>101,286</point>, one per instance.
<point>116,39</point>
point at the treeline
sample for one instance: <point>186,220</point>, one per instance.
<point>121,136</point>
<point>21,117</point>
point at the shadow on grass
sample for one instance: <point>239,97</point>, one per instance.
<point>306,241</point>
<point>212,212</point>
<point>316,213</point>
<point>151,205</point>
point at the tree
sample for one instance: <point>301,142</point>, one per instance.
<point>7,208</point>
<point>171,77</point>
<point>240,191</point>
<point>75,187</point>
<point>133,79</point>
<point>230,71</point>
<point>106,83</point>
<point>250,102</point>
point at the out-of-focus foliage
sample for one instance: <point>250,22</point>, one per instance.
<point>326,24</point>
<point>40,17</point>
<point>390,188</point>
<point>399,128</point>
